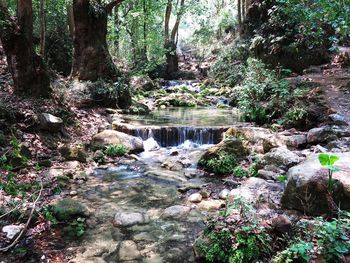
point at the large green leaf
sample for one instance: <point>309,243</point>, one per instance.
<point>327,159</point>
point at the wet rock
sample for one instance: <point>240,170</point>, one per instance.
<point>211,205</point>
<point>50,123</point>
<point>204,193</point>
<point>176,211</point>
<point>144,236</point>
<point>195,198</point>
<point>327,133</point>
<point>258,191</point>
<point>12,231</point>
<point>73,154</point>
<point>223,194</point>
<point>306,189</point>
<point>109,137</point>
<point>337,119</point>
<point>126,219</point>
<point>67,209</point>
<point>172,166</point>
<point>281,156</point>
<point>128,252</point>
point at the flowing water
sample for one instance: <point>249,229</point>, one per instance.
<point>150,185</point>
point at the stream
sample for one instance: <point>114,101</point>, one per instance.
<point>139,208</point>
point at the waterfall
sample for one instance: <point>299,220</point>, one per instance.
<point>174,136</point>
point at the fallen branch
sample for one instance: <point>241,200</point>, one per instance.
<point>27,223</point>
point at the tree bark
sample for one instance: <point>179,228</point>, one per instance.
<point>91,58</point>
<point>42,29</point>
<point>28,71</point>
<point>170,45</point>
<point>239,10</point>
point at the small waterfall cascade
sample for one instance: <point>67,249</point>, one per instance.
<point>174,136</point>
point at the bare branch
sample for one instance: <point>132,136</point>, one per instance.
<point>111,5</point>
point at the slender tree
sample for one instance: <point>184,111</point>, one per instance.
<point>42,28</point>
<point>26,67</point>
<point>170,42</point>
<point>91,57</point>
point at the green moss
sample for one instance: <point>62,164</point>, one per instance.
<point>223,163</point>
<point>68,209</point>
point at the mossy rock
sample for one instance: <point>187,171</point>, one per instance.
<point>73,154</point>
<point>68,209</point>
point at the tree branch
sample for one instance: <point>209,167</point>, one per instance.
<point>111,5</point>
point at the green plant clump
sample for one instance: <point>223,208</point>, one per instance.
<point>116,150</point>
<point>224,163</point>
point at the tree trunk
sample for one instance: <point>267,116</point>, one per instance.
<point>91,58</point>
<point>243,9</point>
<point>28,71</point>
<point>239,10</point>
<point>42,29</point>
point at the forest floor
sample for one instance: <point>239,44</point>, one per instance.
<point>333,81</point>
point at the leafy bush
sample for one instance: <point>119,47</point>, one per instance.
<point>224,163</point>
<point>263,95</point>
<point>329,240</point>
<point>236,241</point>
<point>116,150</point>
<point>229,69</point>
<point>111,94</point>
<point>239,171</point>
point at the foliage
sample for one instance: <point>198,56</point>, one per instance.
<point>328,240</point>
<point>222,164</point>
<point>239,171</point>
<point>243,242</point>
<point>111,94</point>
<point>263,95</point>
<point>328,161</point>
<point>116,150</point>
<point>77,227</point>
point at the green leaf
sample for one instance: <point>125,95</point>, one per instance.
<point>327,160</point>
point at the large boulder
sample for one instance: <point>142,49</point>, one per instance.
<point>327,133</point>
<point>306,189</point>
<point>282,157</point>
<point>109,137</point>
<point>232,146</point>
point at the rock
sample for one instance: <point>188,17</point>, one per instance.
<point>73,154</point>
<point>138,108</point>
<point>12,231</point>
<point>67,209</point>
<point>128,252</point>
<point>223,194</point>
<point>337,119</point>
<point>281,156</point>
<point>204,193</point>
<point>257,191</point>
<point>144,83</point>
<point>195,198</point>
<point>294,141</point>
<point>172,166</point>
<point>250,134</point>
<point>232,146</point>
<point>129,219</point>
<point>327,133</point>
<point>50,123</point>
<point>211,205</point>
<point>176,211</point>
<point>281,224</point>
<point>109,137</point>
<point>306,189</point>
<point>270,172</point>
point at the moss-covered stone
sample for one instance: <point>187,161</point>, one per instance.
<point>68,209</point>
<point>73,154</point>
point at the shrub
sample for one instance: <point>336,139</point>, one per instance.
<point>224,163</point>
<point>328,240</point>
<point>236,241</point>
<point>239,171</point>
<point>111,94</point>
<point>116,150</point>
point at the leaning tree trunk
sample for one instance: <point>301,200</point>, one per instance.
<point>91,58</point>
<point>28,70</point>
